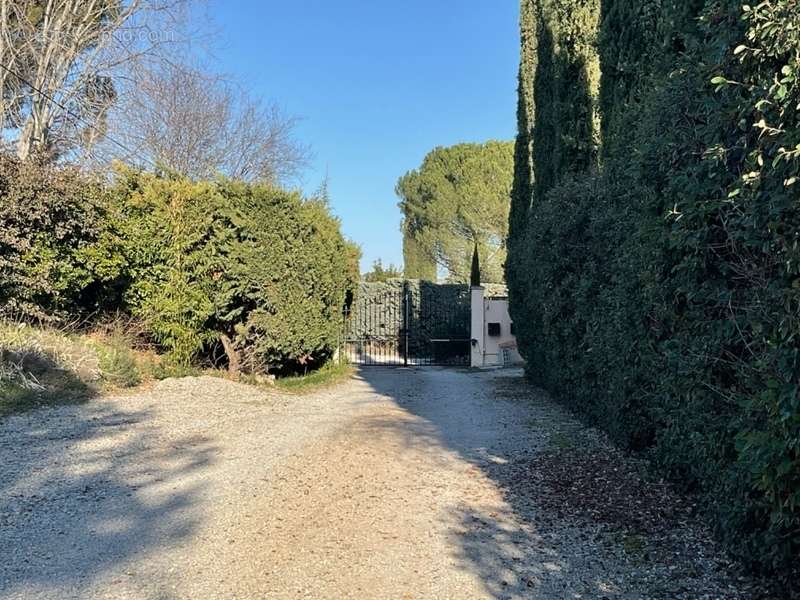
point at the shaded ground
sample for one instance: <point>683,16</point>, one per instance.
<point>402,483</point>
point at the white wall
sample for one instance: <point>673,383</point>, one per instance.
<point>476,354</point>
<point>487,351</point>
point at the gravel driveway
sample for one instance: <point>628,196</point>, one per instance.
<point>401,483</point>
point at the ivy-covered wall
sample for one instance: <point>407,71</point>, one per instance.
<point>435,311</point>
<point>653,258</point>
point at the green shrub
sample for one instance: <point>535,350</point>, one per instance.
<point>656,291</point>
<point>295,270</point>
<point>173,236</point>
<point>117,362</point>
<point>261,269</point>
<point>54,253</point>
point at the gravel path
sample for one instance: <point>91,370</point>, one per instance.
<point>418,483</point>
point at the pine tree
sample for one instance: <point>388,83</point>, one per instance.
<point>417,264</point>
<point>459,196</point>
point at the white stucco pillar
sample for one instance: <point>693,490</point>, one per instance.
<point>478,327</point>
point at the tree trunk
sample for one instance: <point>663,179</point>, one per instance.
<point>234,366</point>
<point>25,141</point>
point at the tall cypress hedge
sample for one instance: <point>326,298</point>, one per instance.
<point>653,256</point>
<point>522,185</point>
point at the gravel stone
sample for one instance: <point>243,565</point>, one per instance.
<point>400,483</point>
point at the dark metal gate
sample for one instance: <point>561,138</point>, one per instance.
<point>405,327</point>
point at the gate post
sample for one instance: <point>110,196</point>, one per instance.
<point>406,317</point>
<point>478,326</point>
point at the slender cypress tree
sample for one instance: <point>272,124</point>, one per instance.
<point>558,129</point>
<point>475,272</point>
<point>522,187</point>
<point>523,151</point>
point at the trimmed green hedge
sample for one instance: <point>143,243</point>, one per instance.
<point>251,272</point>
<point>262,270</point>
<point>654,276</point>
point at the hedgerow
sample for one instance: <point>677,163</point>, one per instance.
<point>53,258</point>
<point>653,256</point>
<point>251,272</point>
<point>261,271</point>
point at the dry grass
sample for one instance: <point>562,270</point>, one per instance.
<point>34,348</point>
<point>45,365</point>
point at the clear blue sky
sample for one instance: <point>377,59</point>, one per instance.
<point>377,84</point>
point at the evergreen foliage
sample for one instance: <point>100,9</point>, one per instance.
<point>380,273</point>
<point>653,278</point>
<point>475,271</point>
<point>459,197</point>
<point>260,271</point>
<point>52,254</point>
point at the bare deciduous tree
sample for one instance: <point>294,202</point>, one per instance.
<point>200,125</point>
<point>59,60</point>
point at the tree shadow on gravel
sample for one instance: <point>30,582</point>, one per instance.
<point>575,518</point>
<point>85,491</point>
<point>500,537</point>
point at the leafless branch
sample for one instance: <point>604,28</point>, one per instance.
<point>61,59</point>
<point>199,124</point>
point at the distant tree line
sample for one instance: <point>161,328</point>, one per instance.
<point>653,247</point>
